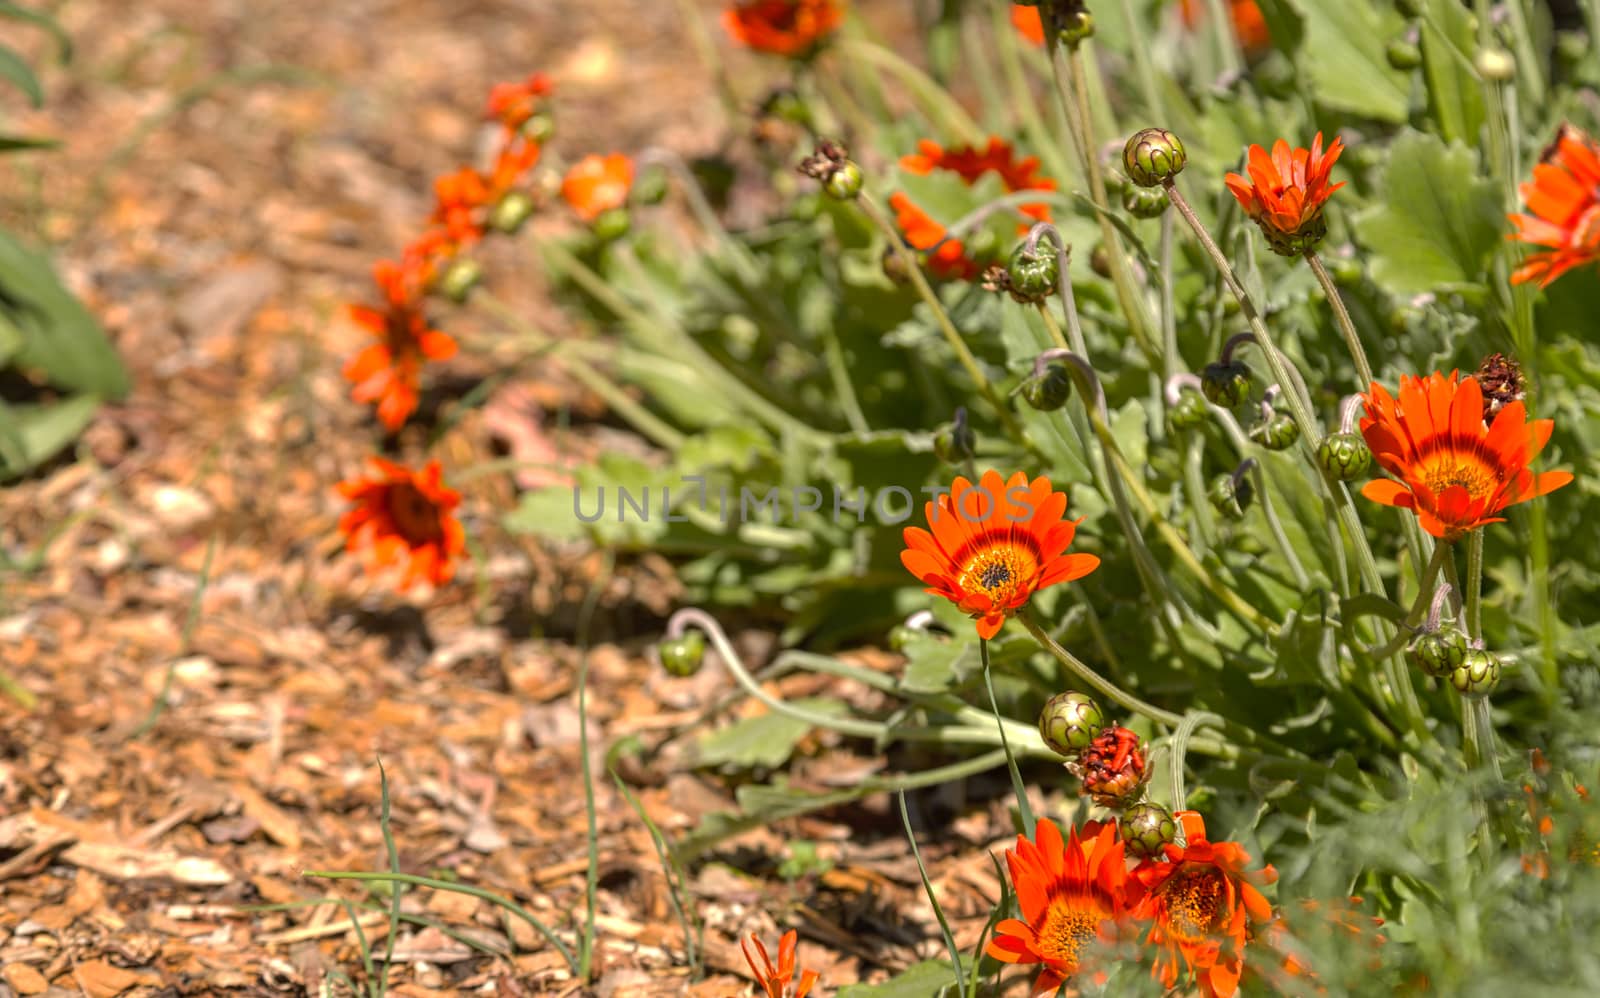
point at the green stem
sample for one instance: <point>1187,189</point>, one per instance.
<point>1473,600</point>
<point>1112,691</point>
<point>1017,787</point>
<point>1172,361</point>
<point>1302,581</point>
<point>1009,45</point>
<point>1352,339</point>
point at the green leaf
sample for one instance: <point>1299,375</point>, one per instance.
<point>765,741</point>
<point>1344,60</point>
<point>920,980</point>
<point>1438,221</point>
<point>934,664</point>
<point>13,143</point>
<point>14,69</point>
<point>1455,99</point>
<point>17,12</point>
<point>32,434</point>
<point>60,337</point>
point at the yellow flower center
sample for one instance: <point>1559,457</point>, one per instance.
<point>1448,469</point>
<point>1194,899</point>
<point>1068,925</point>
<point>1001,572</point>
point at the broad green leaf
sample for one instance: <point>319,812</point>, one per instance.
<point>1344,60</point>
<point>765,741</point>
<point>934,664</point>
<point>60,337</point>
<point>35,433</point>
<point>920,980</point>
<point>1437,222</point>
<point>15,70</point>
<point>10,340</point>
<point>1455,99</point>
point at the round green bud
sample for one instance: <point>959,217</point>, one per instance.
<point>1115,183</point>
<point>1344,456</point>
<point>1033,274</point>
<point>1403,55</point>
<point>1277,432</point>
<point>1189,412</point>
<point>1478,674</point>
<point>844,183</point>
<point>1100,261</point>
<point>510,212</point>
<point>1069,722</point>
<point>459,279</point>
<point>683,656</point>
<point>1153,156</point>
<point>895,268</point>
<point>953,445</point>
<point>1079,26</point>
<point>1144,202</point>
<point>1225,384</point>
<point>1495,65</point>
<point>539,127</point>
<point>1231,496</point>
<point>1438,653</point>
<point>1146,827</point>
<point>900,636</point>
<point>1050,390</point>
<point>611,225</point>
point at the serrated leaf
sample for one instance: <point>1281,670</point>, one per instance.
<point>1345,63</point>
<point>934,664</point>
<point>1437,223</point>
<point>15,70</point>
<point>34,434</point>
<point>765,741</point>
<point>920,980</point>
<point>60,337</point>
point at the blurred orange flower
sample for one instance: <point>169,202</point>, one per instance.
<point>1563,200</point>
<point>971,163</point>
<point>404,517</point>
<point>389,372</point>
<point>993,545</point>
<point>1284,193</point>
<point>1071,894</point>
<point>1202,902</point>
<point>1028,24</point>
<point>947,258</point>
<point>1455,472</point>
<point>512,104</point>
<point>596,184</point>
<point>1249,25</point>
<point>778,982</point>
<point>783,27</point>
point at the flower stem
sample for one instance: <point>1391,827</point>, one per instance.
<point>1110,690</point>
<point>1352,339</point>
<point>1473,601</point>
<point>1017,787</point>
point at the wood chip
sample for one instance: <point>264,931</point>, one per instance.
<point>125,863</point>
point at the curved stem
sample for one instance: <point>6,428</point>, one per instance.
<point>1069,303</point>
<point>1352,339</point>
<point>1110,690</point>
<point>1252,467</point>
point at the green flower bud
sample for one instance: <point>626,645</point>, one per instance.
<point>1478,674</point>
<point>650,187</point>
<point>1153,156</point>
<point>1225,384</point>
<point>1190,412</point>
<point>1100,261</point>
<point>1146,827</point>
<point>953,444</point>
<point>1070,722</point>
<point>611,225</point>
<point>1438,653</point>
<point>1079,26</point>
<point>1277,432</point>
<point>1144,202</point>
<point>510,212</point>
<point>895,268</point>
<point>1231,496</point>
<point>1495,65</point>
<point>459,279</point>
<point>844,183</point>
<point>540,127</point>
<point>683,656</point>
<point>1403,55</point>
<point>1033,274</point>
<point>1050,390</point>
<point>900,636</point>
<point>1344,456</point>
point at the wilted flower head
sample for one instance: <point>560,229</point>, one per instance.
<point>1284,193</point>
<point>1563,200</point>
<point>1112,768</point>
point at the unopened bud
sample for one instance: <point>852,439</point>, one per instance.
<point>1438,653</point>
<point>1079,27</point>
<point>1100,260</point>
<point>844,183</point>
<point>1032,274</point>
<point>1403,55</point>
<point>511,212</point>
<point>1189,412</point>
<point>539,128</point>
<point>1231,495</point>
<point>459,279</point>
<point>954,443</point>
<point>1344,456</point>
<point>1495,65</point>
<point>611,225</point>
<point>1070,722</point>
<point>1225,384</point>
<point>1050,390</point>
<point>1146,829</point>
<point>650,187</point>
<point>683,656</point>
<point>1153,156</point>
<point>1277,432</point>
<point>1478,674</point>
<point>1144,202</point>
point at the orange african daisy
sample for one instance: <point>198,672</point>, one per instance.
<point>512,104</point>
<point>596,184</point>
<point>947,258</point>
<point>1455,472</point>
<point>389,372</point>
<point>1071,895</point>
<point>1249,24</point>
<point>1563,200</point>
<point>404,517</point>
<point>1202,901</point>
<point>1284,193</point>
<point>1028,24</point>
<point>778,982</point>
<point>970,163</point>
<point>783,27</point>
<point>993,545</point>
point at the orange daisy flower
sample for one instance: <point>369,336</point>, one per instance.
<point>971,163</point>
<point>1455,472</point>
<point>512,104</point>
<point>403,517</point>
<point>1284,193</point>
<point>1249,24</point>
<point>1563,200</point>
<point>791,28</point>
<point>1071,894</point>
<point>1202,901</point>
<point>459,201</point>
<point>596,184</point>
<point>947,258</point>
<point>1028,24</point>
<point>993,545</point>
<point>778,982</point>
<point>389,372</point>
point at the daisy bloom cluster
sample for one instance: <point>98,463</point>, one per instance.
<point>1563,200</point>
